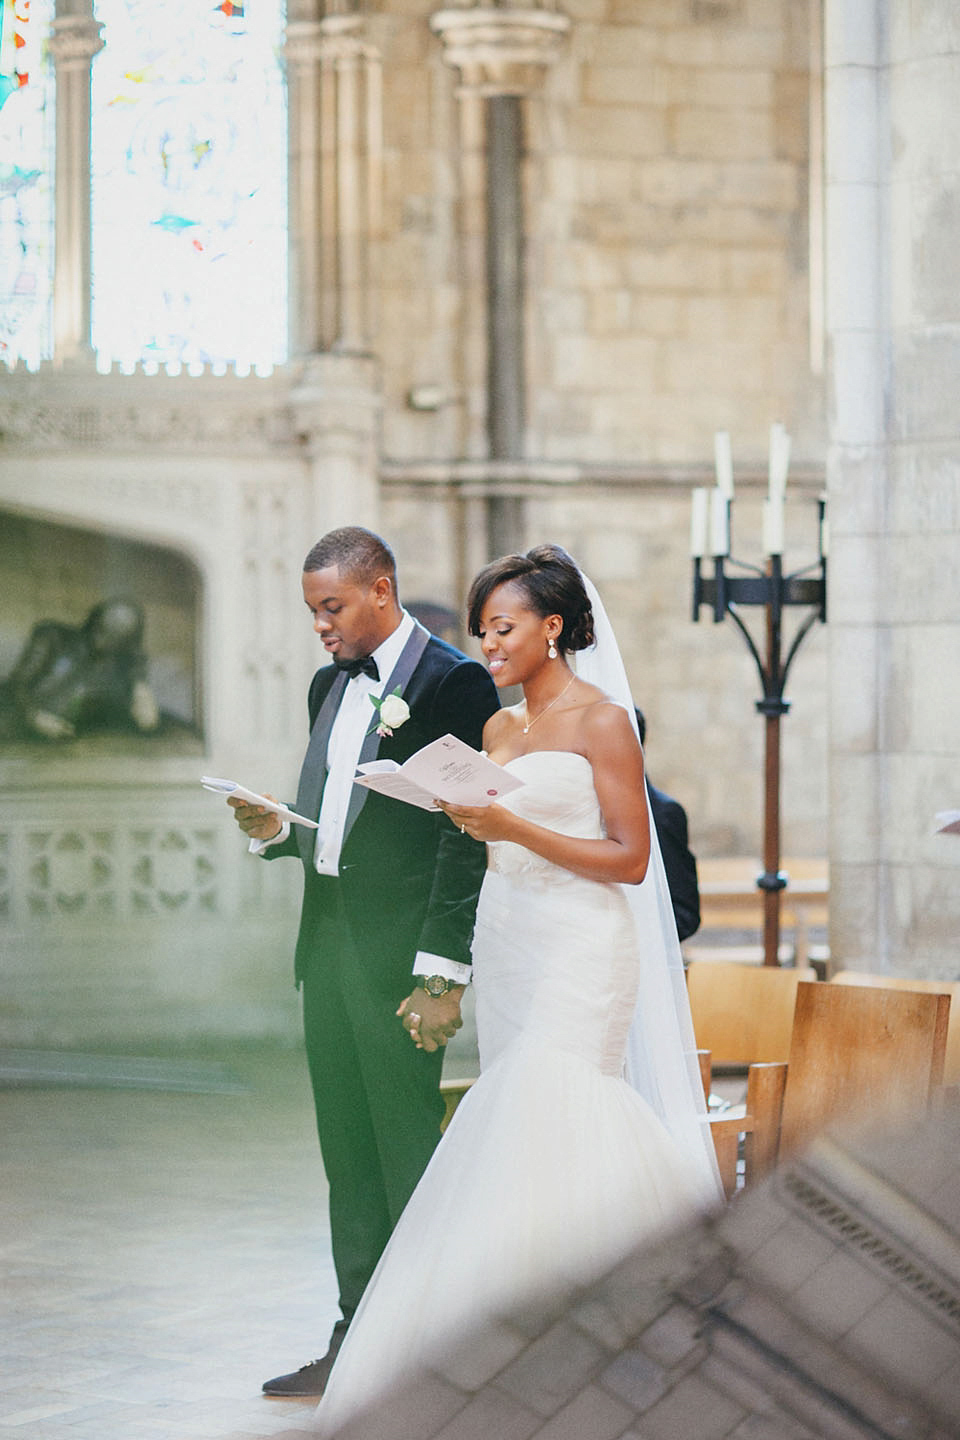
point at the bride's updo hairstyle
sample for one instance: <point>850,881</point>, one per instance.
<point>551,584</point>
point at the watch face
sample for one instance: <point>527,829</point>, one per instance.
<point>435,985</point>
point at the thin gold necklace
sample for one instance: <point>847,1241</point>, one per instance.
<point>530,723</point>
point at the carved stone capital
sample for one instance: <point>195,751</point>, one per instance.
<point>337,395</point>
<point>303,44</point>
<point>335,37</point>
<point>74,40</point>
<point>345,38</point>
<point>500,52</point>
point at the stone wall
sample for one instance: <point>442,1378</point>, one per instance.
<point>666,260</point>
<point>667,188</point>
<point>893,172</point>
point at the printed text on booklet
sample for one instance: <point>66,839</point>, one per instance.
<point>446,770</point>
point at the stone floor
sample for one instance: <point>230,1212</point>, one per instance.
<point>164,1245</point>
<point>164,1248</point>
<point>163,1252</point>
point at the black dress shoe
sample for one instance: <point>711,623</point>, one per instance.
<point>309,1380</point>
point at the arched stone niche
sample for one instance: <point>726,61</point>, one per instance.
<point>125,887</point>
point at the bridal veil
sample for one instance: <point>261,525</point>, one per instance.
<point>661,1061</point>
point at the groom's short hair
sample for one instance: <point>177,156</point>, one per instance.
<point>358,554</point>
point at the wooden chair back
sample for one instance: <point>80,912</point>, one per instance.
<point>856,1053</point>
<point>743,1013</point>
<point>951,1062</point>
<point>861,1053</point>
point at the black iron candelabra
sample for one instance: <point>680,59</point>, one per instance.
<point>772,588</point>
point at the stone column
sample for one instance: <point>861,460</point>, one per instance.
<point>333,75</point>
<point>502,55</point>
<point>302,53</point>
<point>337,405</point>
<point>893,327</point>
<point>334,83</point>
<point>74,41</point>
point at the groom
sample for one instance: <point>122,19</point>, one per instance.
<point>389,899</point>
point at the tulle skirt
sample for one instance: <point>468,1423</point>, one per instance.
<point>552,1169</point>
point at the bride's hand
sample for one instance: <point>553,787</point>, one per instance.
<point>481,822</point>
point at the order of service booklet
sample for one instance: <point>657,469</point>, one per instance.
<point>240,792</point>
<point>447,769</point>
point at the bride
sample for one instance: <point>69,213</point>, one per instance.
<point>554,1166</point>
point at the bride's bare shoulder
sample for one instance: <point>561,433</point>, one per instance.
<point>604,721</point>
<point>501,723</point>
<point>589,695</point>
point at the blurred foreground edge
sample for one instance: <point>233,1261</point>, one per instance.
<point>824,1302</point>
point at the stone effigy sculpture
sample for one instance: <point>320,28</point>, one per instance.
<point>73,679</point>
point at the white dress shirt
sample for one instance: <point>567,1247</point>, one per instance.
<point>354,719</point>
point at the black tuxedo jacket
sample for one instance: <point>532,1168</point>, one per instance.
<point>670,819</point>
<point>409,880</point>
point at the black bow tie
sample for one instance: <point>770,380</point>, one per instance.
<point>363,665</point>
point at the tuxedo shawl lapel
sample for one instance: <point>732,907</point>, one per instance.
<point>314,770</point>
<point>410,657</point>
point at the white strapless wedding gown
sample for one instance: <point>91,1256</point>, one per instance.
<point>552,1168</point>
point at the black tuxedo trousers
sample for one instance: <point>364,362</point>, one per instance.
<point>408,881</point>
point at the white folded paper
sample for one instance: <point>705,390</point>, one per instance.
<point>446,769</point>
<point>250,797</point>
<point>948,822</point>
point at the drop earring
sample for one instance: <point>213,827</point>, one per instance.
<point>551,651</point>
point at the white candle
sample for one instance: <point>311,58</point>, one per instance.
<point>779,459</point>
<point>785,443</point>
<point>719,523</point>
<point>698,522</point>
<point>723,462</point>
<point>773,513</point>
<point>824,537</point>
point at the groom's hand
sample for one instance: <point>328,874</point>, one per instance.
<point>254,821</point>
<point>430,1020</point>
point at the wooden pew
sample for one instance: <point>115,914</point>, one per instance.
<point>951,1064</point>
<point>743,1013</point>
<point>729,899</point>
<point>743,1016</point>
<point>856,1054</point>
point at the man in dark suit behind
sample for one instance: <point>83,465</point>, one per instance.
<point>670,819</point>
<point>390,894</point>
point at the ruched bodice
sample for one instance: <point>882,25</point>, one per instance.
<point>554,955</point>
<point>557,793</point>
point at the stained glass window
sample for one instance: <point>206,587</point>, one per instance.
<point>189,176</point>
<point>26,181</point>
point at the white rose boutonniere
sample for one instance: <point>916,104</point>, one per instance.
<point>392,712</point>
